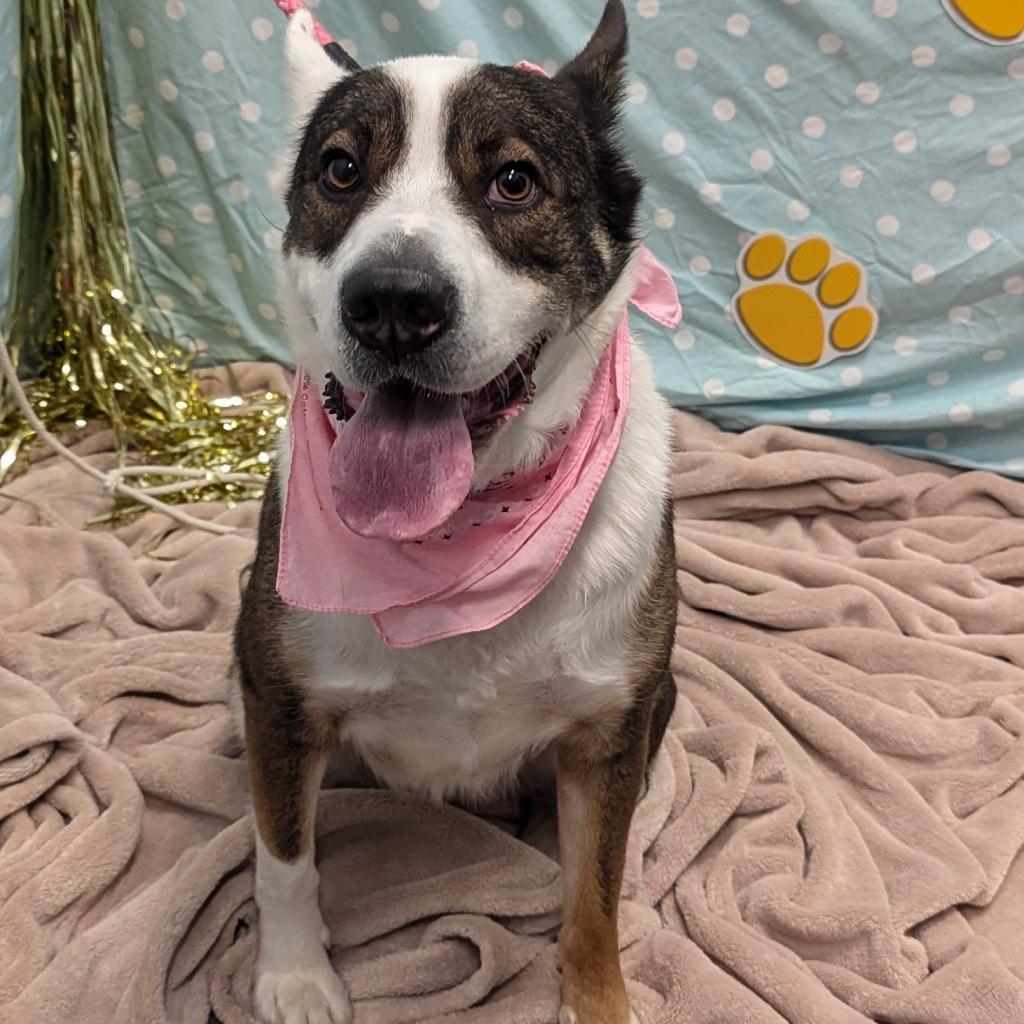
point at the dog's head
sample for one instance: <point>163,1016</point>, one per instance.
<point>446,217</point>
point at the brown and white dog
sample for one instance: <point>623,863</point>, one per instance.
<point>506,200</point>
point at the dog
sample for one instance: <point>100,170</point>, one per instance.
<point>461,244</point>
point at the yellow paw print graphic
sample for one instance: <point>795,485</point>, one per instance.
<point>999,22</point>
<point>801,300</point>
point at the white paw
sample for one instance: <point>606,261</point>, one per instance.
<point>302,995</point>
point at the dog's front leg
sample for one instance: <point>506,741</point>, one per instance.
<point>295,982</point>
<point>599,779</point>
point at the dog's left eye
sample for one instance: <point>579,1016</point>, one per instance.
<point>514,185</point>
<point>340,173</point>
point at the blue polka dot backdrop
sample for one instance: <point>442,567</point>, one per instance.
<point>852,170</point>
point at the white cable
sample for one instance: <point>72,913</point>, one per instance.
<point>111,481</point>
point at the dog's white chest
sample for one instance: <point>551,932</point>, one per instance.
<point>464,736</point>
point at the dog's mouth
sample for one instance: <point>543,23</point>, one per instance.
<point>404,462</point>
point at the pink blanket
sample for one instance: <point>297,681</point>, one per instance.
<point>829,836</point>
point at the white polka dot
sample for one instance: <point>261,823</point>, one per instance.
<point>829,43</point>
<point>961,413</point>
<point>312,3</point>
<point>938,378</point>
<point>389,21</point>
<point>165,237</point>
<point>164,302</point>
<point>250,111</point>
<point>168,90</point>
<point>1015,464</point>
<point>262,29</point>
<point>686,58</point>
<point>1014,285</point>
<point>175,9</point>
<point>236,263</point>
<point>905,345</point>
<point>993,355</point>
<point>647,8</point>
<point>16,65</point>
<point>851,376</point>
<point>879,399</point>
<point>762,160</point>
<point>664,218</point>
<point>468,48</point>
<point>797,209</point>
<point>936,441</point>
<point>885,8</point>
<point>550,67</point>
<point>887,225</point>
<point>133,115</point>
<point>776,76</point>
<point>867,92</point>
<point>205,142</point>
<point>6,205</point>
<point>350,47</point>
<point>942,191</point>
<point>233,330</point>
<point>1016,387</point>
<point>673,143</point>
<point>136,37</point>
<point>814,127</point>
<point>1015,69</point>
<point>683,339</point>
<point>272,238</point>
<point>724,109</point>
<point>513,17</point>
<point>131,188</point>
<point>998,156</point>
<point>922,57</point>
<point>203,213</point>
<point>851,177</point>
<point>636,92</point>
<point>430,5</point>
<point>923,273</point>
<point>213,61</point>
<point>819,417</point>
<point>737,25</point>
<point>166,165</point>
<point>700,265</point>
<point>711,193</point>
<point>267,311</point>
<point>992,424</point>
<point>904,142</point>
<point>961,105</point>
<point>238,191</point>
<point>979,239</point>
<point>960,315</point>
<point>714,388</point>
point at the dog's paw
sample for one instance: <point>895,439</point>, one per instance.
<point>802,301</point>
<point>566,1015</point>
<point>301,995</point>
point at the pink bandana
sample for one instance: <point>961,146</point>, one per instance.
<point>496,552</point>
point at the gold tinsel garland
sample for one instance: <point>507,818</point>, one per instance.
<point>82,334</point>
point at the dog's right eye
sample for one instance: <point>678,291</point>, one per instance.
<point>339,173</point>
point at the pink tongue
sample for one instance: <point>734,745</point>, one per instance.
<point>401,465</point>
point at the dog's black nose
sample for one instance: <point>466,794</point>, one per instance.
<point>396,310</point>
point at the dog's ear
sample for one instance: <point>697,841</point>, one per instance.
<point>312,68</point>
<point>597,72</point>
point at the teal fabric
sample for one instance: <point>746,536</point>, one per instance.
<point>10,147</point>
<point>879,124</point>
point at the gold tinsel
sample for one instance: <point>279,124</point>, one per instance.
<point>84,337</point>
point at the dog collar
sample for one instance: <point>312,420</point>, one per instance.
<point>490,558</point>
